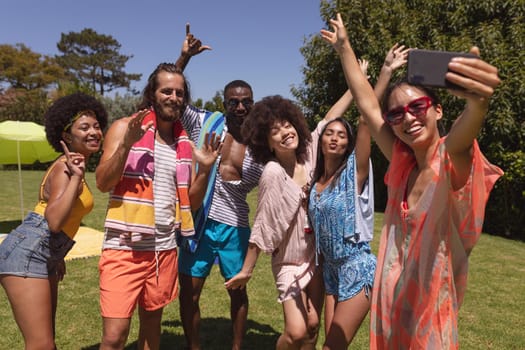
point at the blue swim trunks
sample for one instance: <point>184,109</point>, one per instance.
<point>219,241</point>
<point>346,277</point>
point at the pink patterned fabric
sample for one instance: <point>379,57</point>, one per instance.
<point>131,207</point>
<point>278,229</point>
<point>422,266</point>
<point>279,225</point>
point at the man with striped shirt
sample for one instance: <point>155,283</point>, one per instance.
<point>147,168</point>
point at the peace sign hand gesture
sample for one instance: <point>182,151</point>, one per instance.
<point>75,162</point>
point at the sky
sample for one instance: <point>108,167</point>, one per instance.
<point>254,40</point>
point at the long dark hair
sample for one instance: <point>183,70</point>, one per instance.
<point>148,94</point>
<point>319,167</point>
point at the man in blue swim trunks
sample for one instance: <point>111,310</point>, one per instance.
<point>226,227</point>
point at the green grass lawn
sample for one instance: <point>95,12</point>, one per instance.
<point>491,316</point>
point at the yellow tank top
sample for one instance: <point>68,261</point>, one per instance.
<point>82,206</point>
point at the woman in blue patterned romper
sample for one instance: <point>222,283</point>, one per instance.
<point>341,211</point>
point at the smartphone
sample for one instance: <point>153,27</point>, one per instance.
<point>428,68</point>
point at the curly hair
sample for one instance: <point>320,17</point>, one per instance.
<point>319,168</point>
<point>61,112</point>
<point>148,94</point>
<point>264,114</point>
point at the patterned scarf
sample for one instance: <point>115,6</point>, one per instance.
<point>131,208</point>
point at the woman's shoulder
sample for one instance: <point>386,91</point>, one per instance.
<point>118,126</point>
<point>273,175</point>
<point>272,168</point>
<point>55,171</point>
<point>57,166</point>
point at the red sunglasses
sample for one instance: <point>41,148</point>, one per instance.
<point>418,108</point>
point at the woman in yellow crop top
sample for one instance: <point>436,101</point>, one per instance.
<point>32,255</point>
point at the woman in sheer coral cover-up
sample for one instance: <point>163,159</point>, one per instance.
<point>437,191</point>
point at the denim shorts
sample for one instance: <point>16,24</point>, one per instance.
<point>346,277</point>
<point>30,250</point>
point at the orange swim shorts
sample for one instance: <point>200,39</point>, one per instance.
<point>129,277</point>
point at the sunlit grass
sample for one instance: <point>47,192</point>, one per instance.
<point>491,316</point>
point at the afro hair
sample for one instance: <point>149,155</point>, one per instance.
<point>59,115</point>
<point>259,122</point>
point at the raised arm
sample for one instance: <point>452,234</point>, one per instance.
<point>122,134</point>
<point>395,58</point>
<point>341,106</point>
<point>479,79</point>
<point>205,158</point>
<point>362,152</point>
<point>363,93</point>
<point>190,47</point>
<point>363,134</point>
<point>63,184</point>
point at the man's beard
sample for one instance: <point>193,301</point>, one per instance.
<point>175,112</point>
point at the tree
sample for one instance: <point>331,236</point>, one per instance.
<point>26,75</point>
<point>496,27</point>
<point>214,105</point>
<point>21,68</point>
<point>121,106</point>
<point>23,105</point>
<point>198,103</point>
<point>68,87</point>
<point>95,59</point>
